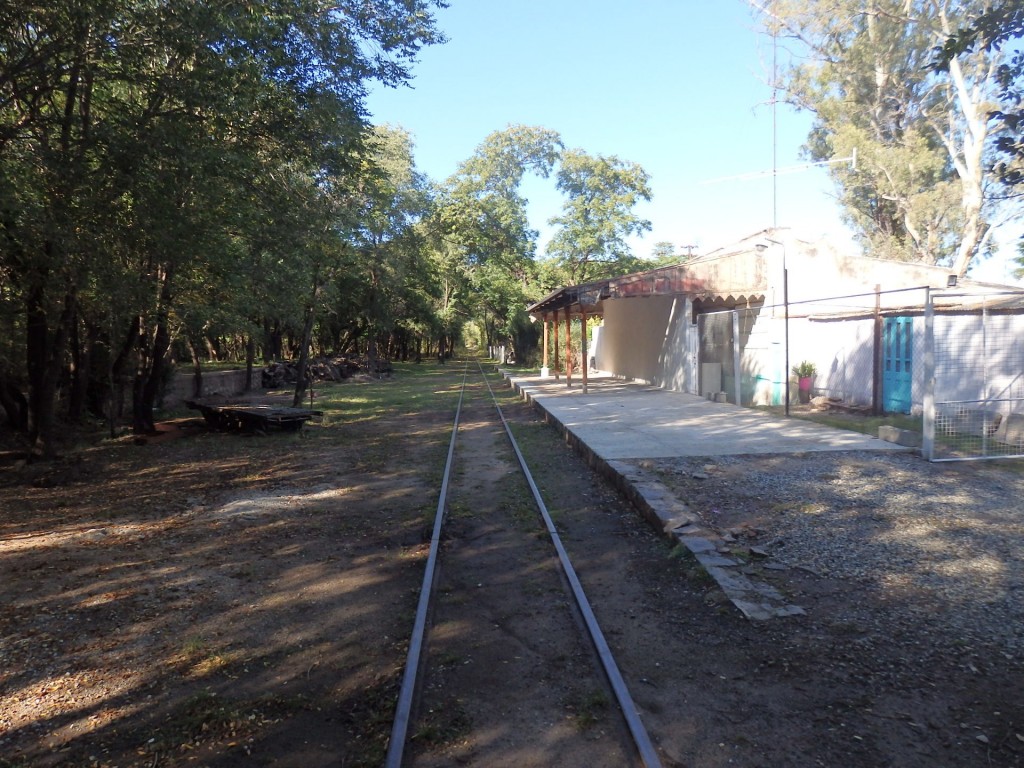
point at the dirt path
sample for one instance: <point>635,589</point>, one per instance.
<point>226,600</point>
<point>510,680</point>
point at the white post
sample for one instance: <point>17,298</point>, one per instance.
<point>737,374</point>
<point>928,424</point>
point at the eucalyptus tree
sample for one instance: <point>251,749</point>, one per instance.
<point>1000,28</point>
<point>919,188</point>
<point>598,215</point>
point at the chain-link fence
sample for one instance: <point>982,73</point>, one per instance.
<point>977,403</point>
<point>946,367</point>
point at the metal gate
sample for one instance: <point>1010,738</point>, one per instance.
<point>974,403</point>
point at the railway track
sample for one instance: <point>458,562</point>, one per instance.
<point>476,671</point>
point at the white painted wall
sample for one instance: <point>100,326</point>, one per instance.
<point>645,339</point>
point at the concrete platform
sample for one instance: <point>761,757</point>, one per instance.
<point>623,420</point>
<point>618,425</point>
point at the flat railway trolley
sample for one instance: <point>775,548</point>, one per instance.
<point>253,418</point>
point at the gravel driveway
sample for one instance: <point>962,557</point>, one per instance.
<point>911,577</point>
<point>941,544</point>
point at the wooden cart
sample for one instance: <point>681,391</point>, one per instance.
<point>253,418</point>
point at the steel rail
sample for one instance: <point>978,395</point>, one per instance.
<point>648,754</point>
<point>400,727</point>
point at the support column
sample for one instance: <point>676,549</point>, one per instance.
<point>555,345</point>
<point>544,371</point>
<point>876,361</point>
<point>737,379</point>
<point>568,350</point>
<point>583,346</point>
<point>928,421</point>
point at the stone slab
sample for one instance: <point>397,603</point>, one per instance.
<point>904,437</point>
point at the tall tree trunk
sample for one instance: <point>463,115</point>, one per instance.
<point>44,354</point>
<point>250,357</point>
<point>197,364</point>
<point>15,406</point>
<point>149,378</point>
<point>79,373</point>
<point>307,334</point>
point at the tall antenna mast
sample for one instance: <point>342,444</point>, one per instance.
<point>775,127</point>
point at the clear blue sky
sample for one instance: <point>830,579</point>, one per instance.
<point>678,86</point>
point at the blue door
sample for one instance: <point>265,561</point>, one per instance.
<point>897,364</point>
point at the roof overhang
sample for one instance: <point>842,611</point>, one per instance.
<point>665,281</point>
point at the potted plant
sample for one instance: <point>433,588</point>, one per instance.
<point>804,373</point>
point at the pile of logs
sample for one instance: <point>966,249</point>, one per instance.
<point>286,372</point>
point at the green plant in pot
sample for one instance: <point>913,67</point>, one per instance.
<point>804,373</point>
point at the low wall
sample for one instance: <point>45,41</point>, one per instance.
<point>215,383</point>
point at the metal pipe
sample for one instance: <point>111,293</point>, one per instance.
<point>785,301</point>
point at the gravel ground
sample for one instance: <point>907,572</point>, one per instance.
<point>939,544</point>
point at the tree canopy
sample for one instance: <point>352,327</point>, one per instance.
<point>137,143</point>
<point>997,29</point>
<point>191,180</point>
<point>598,216</point>
<point>920,187</point>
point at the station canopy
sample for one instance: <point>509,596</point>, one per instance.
<point>664,281</point>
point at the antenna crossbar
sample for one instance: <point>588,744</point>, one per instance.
<point>852,160</point>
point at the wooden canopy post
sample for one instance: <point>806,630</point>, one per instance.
<point>544,372</point>
<point>568,350</point>
<point>555,345</point>
<point>583,346</point>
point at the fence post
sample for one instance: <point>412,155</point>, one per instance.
<point>737,373</point>
<point>986,392</point>
<point>928,424</point>
<point>876,363</point>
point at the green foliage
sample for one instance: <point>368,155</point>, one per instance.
<point>482,207</point>
<point>484,241</point>
<point>918,191</point>
<point>804,369</point>
<point>598,216</point>
<point>664,254</point>
<point>168,166</point>
<point>998,28</point>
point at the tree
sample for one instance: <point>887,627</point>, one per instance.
<point>992,31</point>
<point>919,188</point>
<point>482,214</point>
<point>126,132</point>
<point>597,215</point>
<point>388,275</point>
<point>664,254</point>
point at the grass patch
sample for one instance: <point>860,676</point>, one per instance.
<point>193,647</point>
<point>459,510</point>
<point>588,709</point>
<point>207,717</point>
<point>442,725</point>
<point>695,572</point>
<point>853,422</point>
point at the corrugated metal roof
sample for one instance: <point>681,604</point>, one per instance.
<point>665,281</point>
